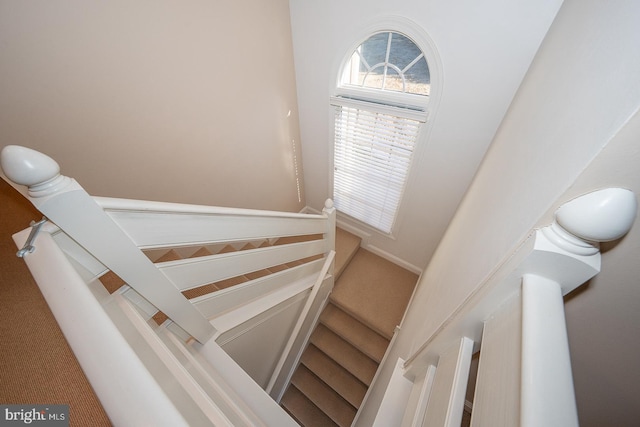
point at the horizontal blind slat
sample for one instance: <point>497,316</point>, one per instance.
<point>373,152</point>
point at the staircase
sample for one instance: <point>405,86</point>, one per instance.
<point>351,338</point>
<point>230,291</point>
<point>354,331</point>
<point>336,369</point>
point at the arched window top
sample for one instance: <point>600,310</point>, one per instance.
<point>381,102</point>
<point>388,61</point>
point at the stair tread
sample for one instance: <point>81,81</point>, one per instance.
<point>324,397</point>
<point>303,410</point>
<point>111,281</point>
<point>258,274</point>
<point>374,291</point>
<point>200,290</point>
<point>169,256</point>
<point>227,249</point>
<point>232,281</point>
<point>334,375</point>
<point>297,239</point>
<point>347,245</point>
<point>346,355</point>
<point>201,252</point>
<point>356,333</point>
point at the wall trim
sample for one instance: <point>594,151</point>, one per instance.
<point>368,246</point>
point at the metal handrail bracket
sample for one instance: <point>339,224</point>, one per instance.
<point>28,246</point>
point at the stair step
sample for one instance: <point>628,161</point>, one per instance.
<point>303,410</point>
<point>111,281</point>
<point>347,245</point>
<point>334,375</point>
<point>203,251</point>
<point>324,397</point>
<point>356,333</point>
<point>200,290</point>
<point>227,249</point>
<point>227,283</point>
<point>258,274</point>
<point>297,239</point>
<point>346,355</point>
<point>375,291</point>
<point>169,256</point>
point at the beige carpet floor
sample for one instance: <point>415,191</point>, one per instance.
<point>375,291</point>
<point>36,364</point>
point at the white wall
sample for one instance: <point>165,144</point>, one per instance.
<point>483,50</point>
<point>579,94</point>
<point>175,101</point>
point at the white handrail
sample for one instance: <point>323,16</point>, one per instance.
<point>64,202</point>
<point>110,231</point>
<point>111,365</point>
<point>116,204</point>
<point>116,241</point>
<point>552,262</point>
<point>301,319</point>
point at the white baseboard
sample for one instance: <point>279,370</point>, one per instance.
<point>365,236</point>
<point>392,258</point>
<point>309,210</point>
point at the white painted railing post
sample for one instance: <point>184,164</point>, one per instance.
<point>569,255</point>
<point>330,212</point>
<point>65,203</point>
<point>524,374</point>
<point>547,393</point>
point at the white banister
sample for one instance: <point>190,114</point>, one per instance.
<point>328,264</point>
<point>116,373</point>
<point>550,263</point>
<point>269,262</point>
<point>329,212</point>
<point>64,202</point>
<point>547,395</point>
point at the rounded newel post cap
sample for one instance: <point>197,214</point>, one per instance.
<point>28,167</point>
<point>328,204</point>
<point>600,216</point>
<point>37,171</point>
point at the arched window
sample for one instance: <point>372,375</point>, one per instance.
<point>380,100</point>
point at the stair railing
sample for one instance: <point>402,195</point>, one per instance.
<point>115,230</point>
<point>97,235</point>
<point>516,319</point>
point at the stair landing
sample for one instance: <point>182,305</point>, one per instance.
<point>374,291</point>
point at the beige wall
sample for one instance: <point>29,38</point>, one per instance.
<point>187,101</point>
<point>479,52</point>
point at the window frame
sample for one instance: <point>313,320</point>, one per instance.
<point>403,104</point>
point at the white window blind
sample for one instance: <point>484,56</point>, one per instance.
<point>372,155</point>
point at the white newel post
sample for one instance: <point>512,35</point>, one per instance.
<point>524,373</point>
<point>566,254</point>
<point>548,397</point>
<point>65,203</point>
<point>330,212</point>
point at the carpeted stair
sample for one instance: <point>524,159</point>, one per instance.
<point>335,371</point>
